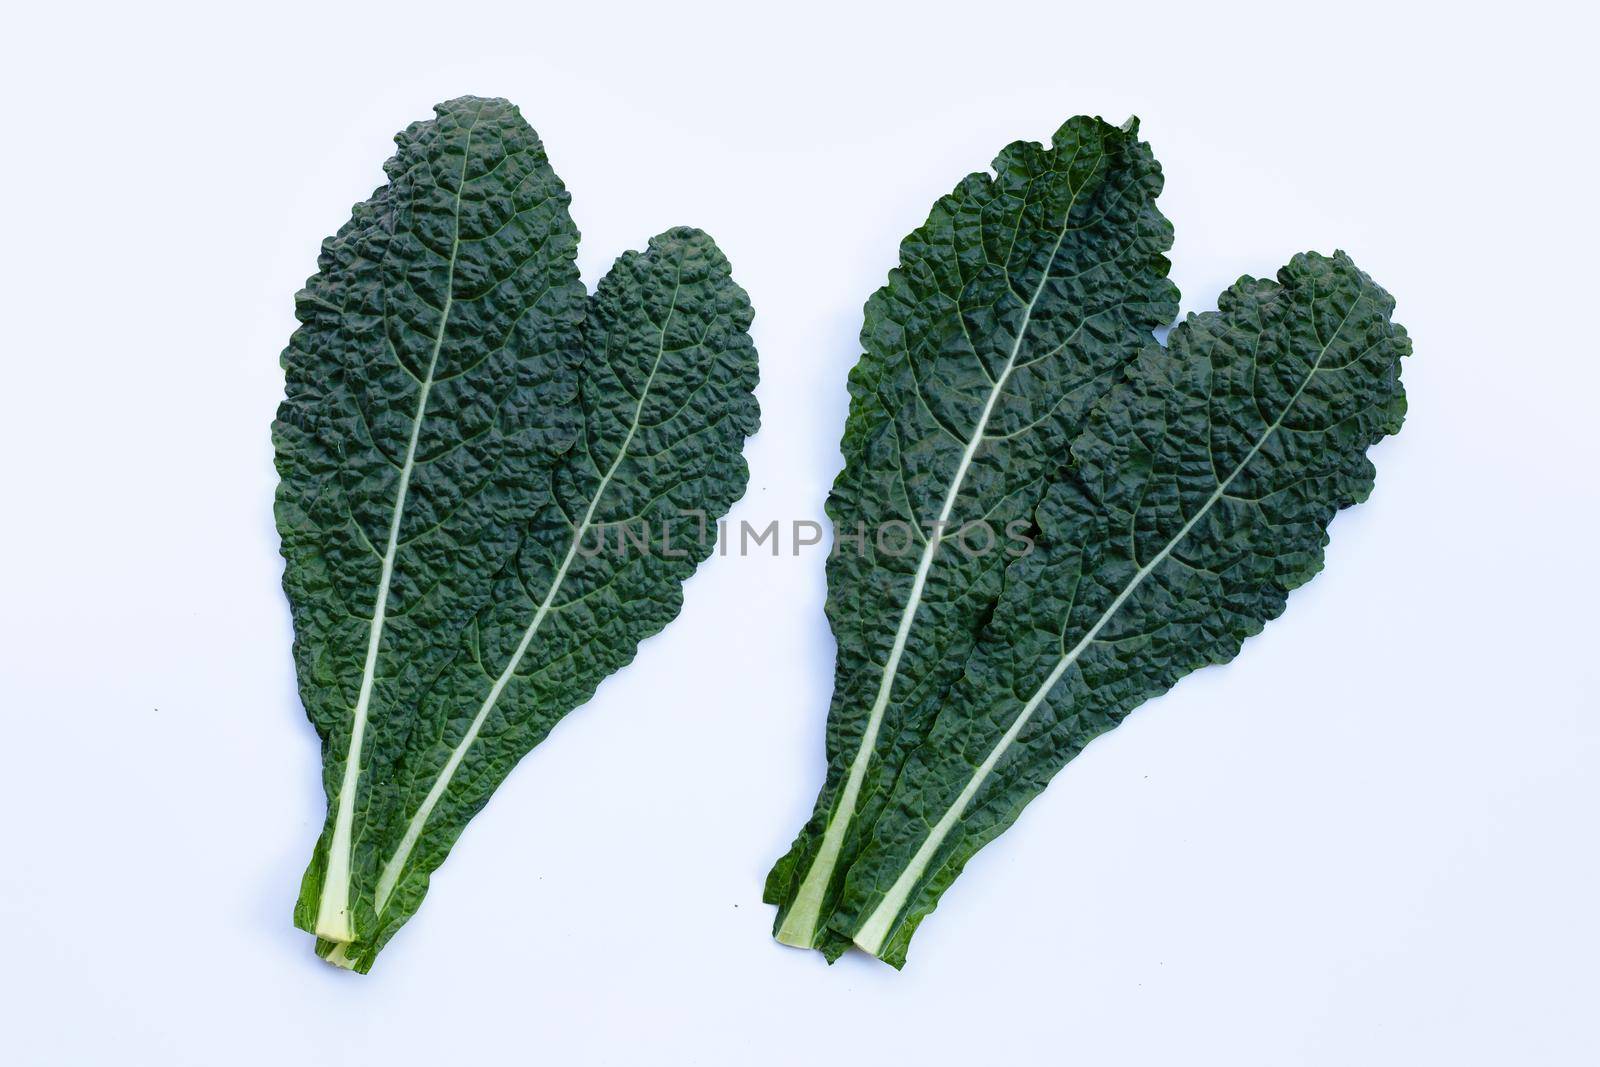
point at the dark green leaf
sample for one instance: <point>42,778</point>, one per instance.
<point>463,425</point>
<point>1202,494</point>
<point>1014,307</point>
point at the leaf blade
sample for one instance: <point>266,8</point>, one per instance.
<point>450,392</point>
<point>1020,298</point>
<point>1154,561</point>
<point>666,400</point>
<point>393,433</point>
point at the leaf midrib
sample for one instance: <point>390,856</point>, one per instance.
<point>333,912</point>
<point>800,924</point>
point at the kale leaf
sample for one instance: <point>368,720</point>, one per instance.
<point>1014,307</point>
<point>1177,494</point>
<point>463,425</point>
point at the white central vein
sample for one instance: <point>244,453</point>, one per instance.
<point>799,926</point>
<point>333,910</point>
<point>875,929</point>
<point>419,820</point>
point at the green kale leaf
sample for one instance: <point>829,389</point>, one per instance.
<point>1176,495</point>
<point>1014,308</point>
<point>463,425</point>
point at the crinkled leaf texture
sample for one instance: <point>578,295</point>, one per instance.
<point>1200,496</point>
<point>467,438</point>
<point>1177,495</point>
<point>1014,307</point>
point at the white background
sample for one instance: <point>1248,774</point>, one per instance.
<point>1371,839</point>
